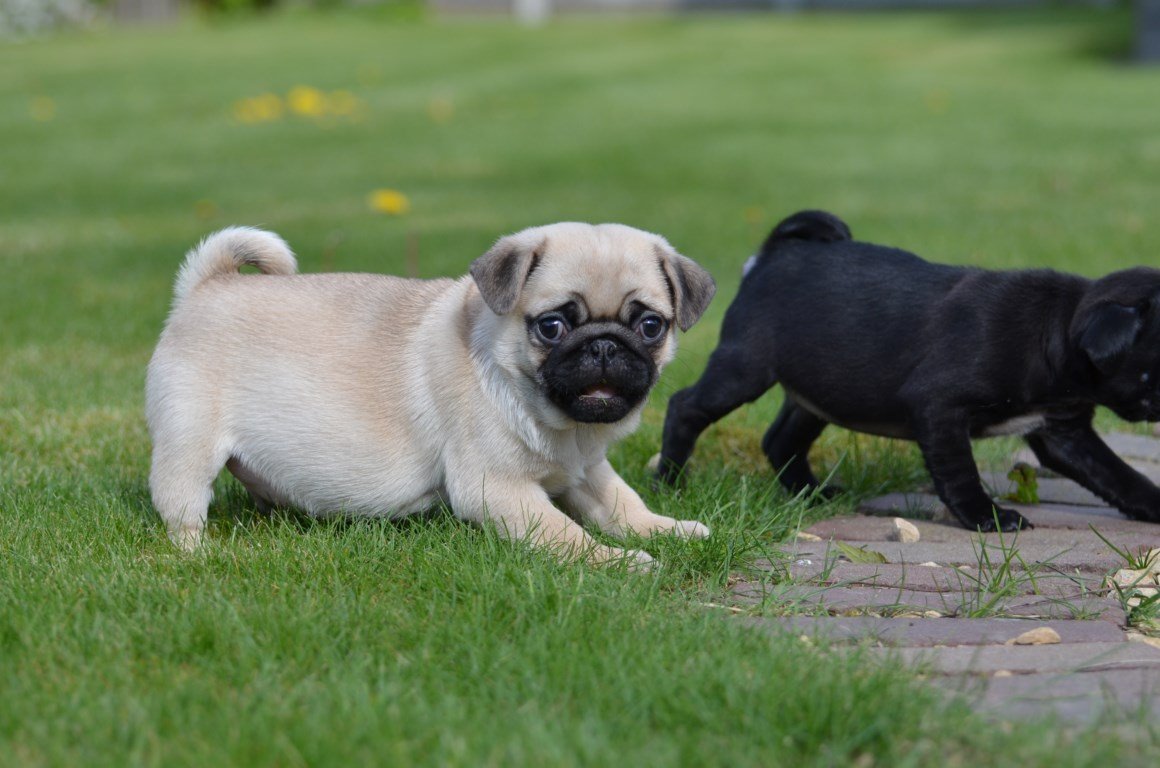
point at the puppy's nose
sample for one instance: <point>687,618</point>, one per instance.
<point>603,350</point>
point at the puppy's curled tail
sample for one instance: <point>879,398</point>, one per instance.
<point>816,226</point>
<point>228,251</point>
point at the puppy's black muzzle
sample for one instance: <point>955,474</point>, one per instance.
<point>599,373</point>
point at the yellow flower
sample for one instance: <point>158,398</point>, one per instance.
<point>42,109</point>
<point>268,105</point>
<point>389,201</point>
<point>306,101</point>
<point>259,109</point>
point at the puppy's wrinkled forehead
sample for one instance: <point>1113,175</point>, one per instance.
<point>603,268</point>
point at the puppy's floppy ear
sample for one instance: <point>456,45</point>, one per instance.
<point>1110,331</point>
<point>691,286</point>
<point>502,271</point>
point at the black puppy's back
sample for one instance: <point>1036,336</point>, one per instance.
<point>814,291</point>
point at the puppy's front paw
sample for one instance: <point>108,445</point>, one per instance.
<point>640,561</point>
<point>690,529</point>
<point>654,524</point>
<point>636,560</point>
<point>1008,521</point>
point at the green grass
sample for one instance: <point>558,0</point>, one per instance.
<point>996,139</point>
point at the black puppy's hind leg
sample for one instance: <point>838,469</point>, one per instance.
<point>730,380</point>
<point>787,446</point>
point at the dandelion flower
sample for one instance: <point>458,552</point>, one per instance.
<point>389,201</point>
<point>269,106</point>
<point>259,109</point>
<point>306,101</point>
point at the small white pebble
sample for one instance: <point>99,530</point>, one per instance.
<point>904,531</point>
<point>1037,636</point>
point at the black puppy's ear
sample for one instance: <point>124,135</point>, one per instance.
<point>691,286</point>
<point>502,271</point>
<point>1111,329</point>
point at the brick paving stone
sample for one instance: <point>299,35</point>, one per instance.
<point>1129,446</point>
<point>1121,531</point>
<point>895,601</point>
<point>874,528</point>
<point>1050,515</point>
<point>843,599</point>
<point>1026,659</point>
<point>1077,697</point>
<point>1087,606</point>
<point>927,507</point>
<point>930,632</point>
<point>920,506</point>
<point>1056,550</point>
<point>1050,490</point>
<point>937,579</point>
<point>1092,668</point>
<point>1148,469</point>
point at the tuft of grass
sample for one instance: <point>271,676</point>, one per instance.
<point>1143,607</point>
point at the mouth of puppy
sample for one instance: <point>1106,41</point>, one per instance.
<point>600,392</point>
<point>600,403</point>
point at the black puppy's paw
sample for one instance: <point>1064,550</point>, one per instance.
<point>1006,520</point>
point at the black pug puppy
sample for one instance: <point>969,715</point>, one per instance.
<point>877,340</point>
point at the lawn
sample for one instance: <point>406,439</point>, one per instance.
<point>995,139</point>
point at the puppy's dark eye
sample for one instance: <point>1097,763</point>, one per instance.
<point>650,326</point>
<point>551,328</point>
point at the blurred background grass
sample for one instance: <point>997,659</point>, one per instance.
<point>993,138</point>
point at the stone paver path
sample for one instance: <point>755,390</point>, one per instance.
<point>953,603</point>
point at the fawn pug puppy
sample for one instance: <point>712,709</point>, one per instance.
<point>497,393</point>
<point>877,340</point>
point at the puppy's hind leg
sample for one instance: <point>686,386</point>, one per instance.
<point>787,446</point>
<point>187,456</point>
<point>731,379</point>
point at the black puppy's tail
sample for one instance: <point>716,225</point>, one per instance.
<point>816,226</point>
<point>812,226</point>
